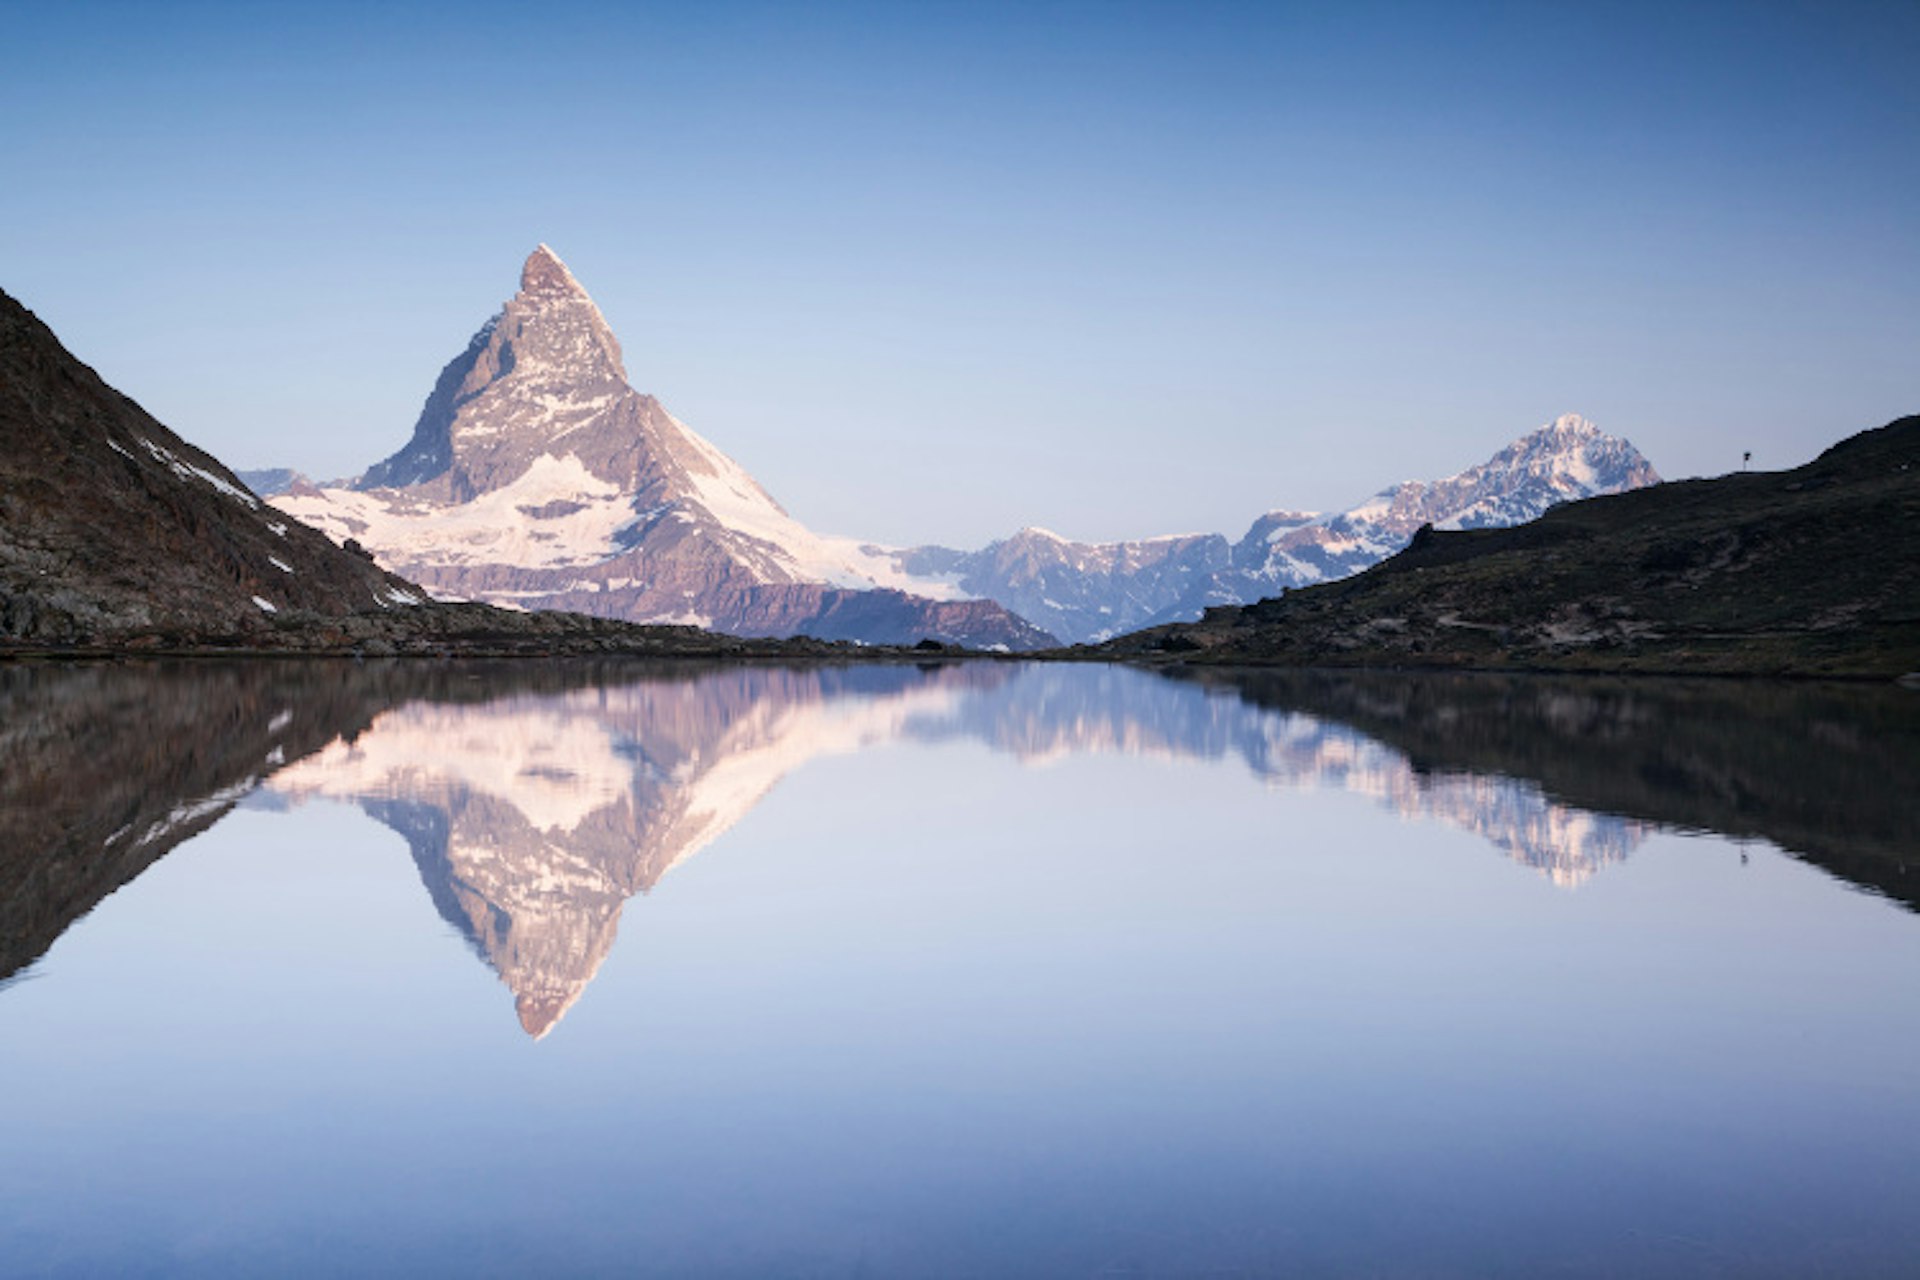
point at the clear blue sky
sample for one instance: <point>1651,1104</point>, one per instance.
<point>934,271</point>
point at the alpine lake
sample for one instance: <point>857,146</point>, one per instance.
<point>962,969</point>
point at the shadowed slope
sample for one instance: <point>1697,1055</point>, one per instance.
<point>112,526</point>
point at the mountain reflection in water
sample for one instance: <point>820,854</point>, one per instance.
<point>536,801</point>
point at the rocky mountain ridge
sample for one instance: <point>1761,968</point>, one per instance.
<point>1088,592</point>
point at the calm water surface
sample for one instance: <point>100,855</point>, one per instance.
<point>967,970</point>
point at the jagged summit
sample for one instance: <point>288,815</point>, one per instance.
<point>545,365</point>
<point>544,272</point>
<point>1567,458</point>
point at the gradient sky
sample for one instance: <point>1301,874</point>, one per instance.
<point>935,271</point>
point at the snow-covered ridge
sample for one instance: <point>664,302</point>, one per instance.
<point>490,529</point>
<point>725,492</point>
<point>187,471</point>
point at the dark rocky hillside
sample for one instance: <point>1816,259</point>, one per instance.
<point>113,526</point>
<point>1814,571</point>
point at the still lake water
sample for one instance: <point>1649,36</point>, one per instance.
<point>963,970</point>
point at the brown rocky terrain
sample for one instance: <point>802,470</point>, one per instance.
<point>113,526</point>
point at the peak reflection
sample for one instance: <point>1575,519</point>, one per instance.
<point>533,818</point>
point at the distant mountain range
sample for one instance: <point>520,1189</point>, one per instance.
<point>1085,591</point>
<point>537,477</point>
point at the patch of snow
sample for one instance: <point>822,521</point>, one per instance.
<point>487,530</point>
<point>686,618</point>
<point>266,606</point>
<point>280,564</point>
<point>186,470</point>
<point>1578,468</point>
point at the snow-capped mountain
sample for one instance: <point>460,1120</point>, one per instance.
<point>1084,591</point>
<point>538,477</point>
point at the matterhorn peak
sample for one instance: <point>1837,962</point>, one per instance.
<point>544,272</point>
<point>537,476</point>
<point>544,366</point>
